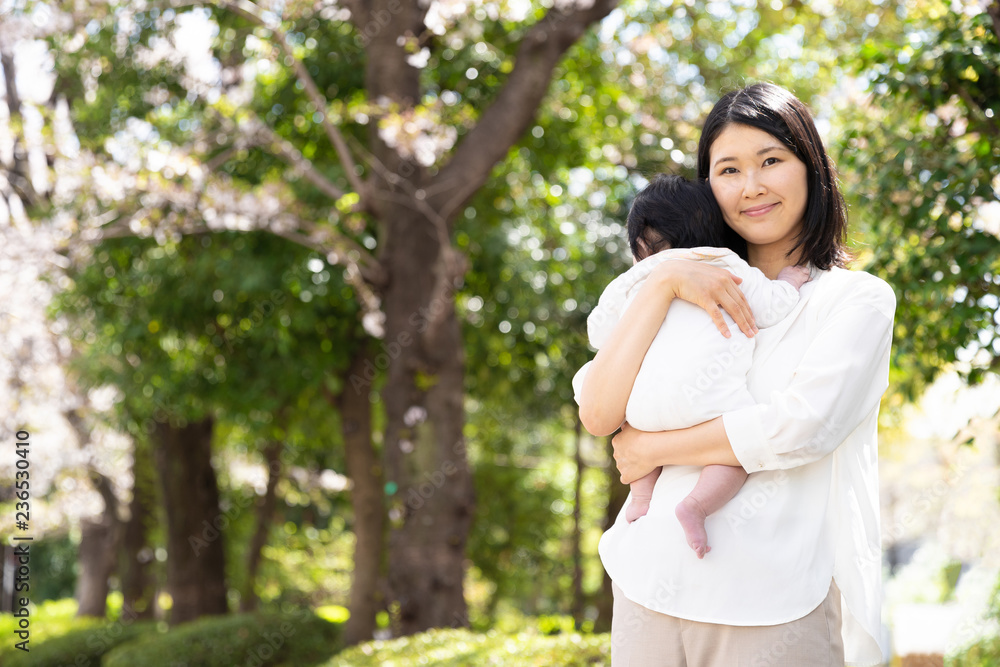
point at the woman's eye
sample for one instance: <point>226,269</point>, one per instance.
<point>771,160</point>
<point>728,170</point>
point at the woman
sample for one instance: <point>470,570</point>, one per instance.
<point>794,576</point>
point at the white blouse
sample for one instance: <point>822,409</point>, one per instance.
<point>810,509</point>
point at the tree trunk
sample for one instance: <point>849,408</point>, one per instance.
<point>138,584</point>
<point>577,607</point>
<point>17,173</point>
<point>98,551</point>
<point>617,493</point>
<point>424,447</point>
<point>367,494</point>
<point>265,516</point>
<point>196,564</point>
<point>427,475</point>
<point>97,561</point>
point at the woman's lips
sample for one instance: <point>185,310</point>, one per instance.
<point>756,211</point>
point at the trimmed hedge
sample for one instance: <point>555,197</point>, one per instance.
<point>294,639</point>
<point>50,618</point>
<point>82,647</point>
<point>447,648</point>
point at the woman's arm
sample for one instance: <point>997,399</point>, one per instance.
<point>609,380</point>
<point>639,452</point>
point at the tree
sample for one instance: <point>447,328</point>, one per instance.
<point>923,160</point>
<point>197,332</point>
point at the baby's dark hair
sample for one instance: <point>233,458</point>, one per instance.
<point>673,212</point>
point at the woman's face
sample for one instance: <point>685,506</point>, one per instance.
<point>761,187</point>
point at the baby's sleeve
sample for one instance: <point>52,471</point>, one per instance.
<point>608,311</point>
<point>578,381</point>
<point>770,300</point>
<point>603,318</point>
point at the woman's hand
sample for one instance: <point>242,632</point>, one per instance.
<point>637,452</point>
<point>710,287</point>
<point>628,453</point>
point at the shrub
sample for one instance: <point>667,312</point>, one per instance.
<point>984,653</point>
<point>49,620</point>
<point>82,647</point>
<point>441,648</point>
<point>296,639</point>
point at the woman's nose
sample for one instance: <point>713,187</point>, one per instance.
<point>753,186</point>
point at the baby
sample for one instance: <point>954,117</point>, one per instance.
<point>690,373</point>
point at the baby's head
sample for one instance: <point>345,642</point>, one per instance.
<point>673,212</point>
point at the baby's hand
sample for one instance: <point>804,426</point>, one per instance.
<point>796,276</point>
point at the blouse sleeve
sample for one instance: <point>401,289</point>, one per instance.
<point>838,382</point>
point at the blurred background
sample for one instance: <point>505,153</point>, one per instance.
<point>293,291</point>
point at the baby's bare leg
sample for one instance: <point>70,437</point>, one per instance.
<point>642,492</point>
<point>716,486</point>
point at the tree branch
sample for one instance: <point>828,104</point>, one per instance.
<point>294,157</point>
<point>993,9</point>
<point>18,174</point>
<point>413,197</point>
<point>74,417</point>
<point>503,123</point>
<point>251,11</point>
<point>232,209</point>
<point>982,122</point>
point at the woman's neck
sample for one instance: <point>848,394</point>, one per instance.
<point>771,260</point>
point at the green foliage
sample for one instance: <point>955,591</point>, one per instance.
<point>555,624</point>
<point>55,555</point>
<point>306,565</point>
<point>520,540</point>
<point>58,635</point>
<point>458,648</point>
<point>985,652</point>
<point>982,654</point>
<point>291,638</point>
<point>237,323</point>
<point>923,160</point>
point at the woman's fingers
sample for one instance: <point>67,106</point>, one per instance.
<point>735,303</point>
<point>724,294</point>
<point>623,445</point>
<point>713,288</point>
<point>714,311</point>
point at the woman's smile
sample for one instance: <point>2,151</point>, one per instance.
<point>756,211</point>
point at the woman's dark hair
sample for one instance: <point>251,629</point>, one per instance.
<point>774,110</point>
<point>673,212</point>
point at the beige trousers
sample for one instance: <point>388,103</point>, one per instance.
<point>644,638</point>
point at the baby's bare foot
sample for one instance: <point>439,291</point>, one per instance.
<point>637,508</point>
<point>692,518</point>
